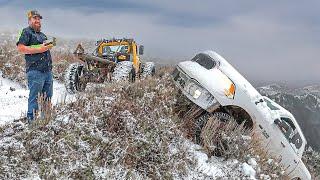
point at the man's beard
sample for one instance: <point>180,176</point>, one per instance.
<point>36,28</point>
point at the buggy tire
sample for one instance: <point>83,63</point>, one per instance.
<point>148,70</point>
<point>72,78</point>
<point>124,71</point>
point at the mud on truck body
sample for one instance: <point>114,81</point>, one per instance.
<point>113,60</point>
<point>211,83</point>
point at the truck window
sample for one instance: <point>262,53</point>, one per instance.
<point>288,121</point>
<point>270,105</point>
<point>204,60</point>
<point>288,129</point>
<point>285,128</point>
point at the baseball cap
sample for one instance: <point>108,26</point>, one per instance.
<point>33,13</point>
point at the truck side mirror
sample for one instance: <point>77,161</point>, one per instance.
<point>277,122</point>
<point>141,49</point>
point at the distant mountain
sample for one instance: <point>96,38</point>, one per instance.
<point>304,104</point>
<point>310,89</point>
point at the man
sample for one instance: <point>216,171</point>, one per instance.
<point>38,62</point>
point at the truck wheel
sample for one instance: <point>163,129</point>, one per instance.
<point>149,69</point>
<point>72,78</point>
<point>202,121</point>
<point>213,132</point>
<point>224,117</point>
<point>124,71</point>
<point>296,178</point>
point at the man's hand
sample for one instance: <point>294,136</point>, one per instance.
<point>45,47</point>
<point>34,50</point>
<point>49,46</point>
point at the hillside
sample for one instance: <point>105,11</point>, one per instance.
<point>114,131</point>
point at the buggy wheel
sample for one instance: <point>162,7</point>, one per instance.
<point>72,78</point>
<point>124,71</point>
<point>148,70</point>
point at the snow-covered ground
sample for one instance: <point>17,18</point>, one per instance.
<point>14,99</point>
<point>13,105</point>
<point>214,167</point>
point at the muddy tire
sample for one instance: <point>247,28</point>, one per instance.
<point>217,134</point>
<point>224,117</point>
<point>124,71</point>
<point>202,121</point>
<point>72,78</point>
<point>148,70</point>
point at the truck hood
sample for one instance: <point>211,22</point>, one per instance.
<point>209,79</point>
<point>217,79</point>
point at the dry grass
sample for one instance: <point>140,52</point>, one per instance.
<point>228,140</point>
<point>123,129</point>
<point>45,113</point>
<point>233,141</point>
<point>163,70</point>
<point>312,159</point>
<point>12,63</point>
<point>223,138</point>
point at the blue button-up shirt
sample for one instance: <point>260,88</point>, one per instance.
<point>40,61</point>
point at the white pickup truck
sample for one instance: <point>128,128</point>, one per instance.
<point>209,81</point>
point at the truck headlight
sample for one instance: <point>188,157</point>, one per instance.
<point>196,94</point>
<point>194,90</point>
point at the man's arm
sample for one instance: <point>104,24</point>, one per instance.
<point>33,50</point>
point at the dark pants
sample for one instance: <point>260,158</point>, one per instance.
<point>38,83</point>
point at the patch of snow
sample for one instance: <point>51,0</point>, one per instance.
<point>247,138</point>
<point>252,162</point>
<point>63,119</point>
<point>265,177</point>
<point>270,161</point>
<point>12,103</point>
<point>14,99</point>
<point>248,170</point>
<point>210,168</point>
<point>205,166</point>
<point>33,177</point>
<point>100,172</point>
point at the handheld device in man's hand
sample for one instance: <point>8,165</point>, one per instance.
<point>52,41</point>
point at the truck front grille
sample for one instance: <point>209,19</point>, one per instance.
<point>179,78</point>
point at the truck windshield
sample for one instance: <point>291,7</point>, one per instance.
<point>204,60</point>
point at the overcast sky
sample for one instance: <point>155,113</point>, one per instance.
<point>265,40</point>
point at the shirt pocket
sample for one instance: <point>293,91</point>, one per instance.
<point>36,39</point>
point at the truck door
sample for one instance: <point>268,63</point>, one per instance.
<point>287,141</point>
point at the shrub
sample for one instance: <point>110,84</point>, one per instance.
<point>312,160</point>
